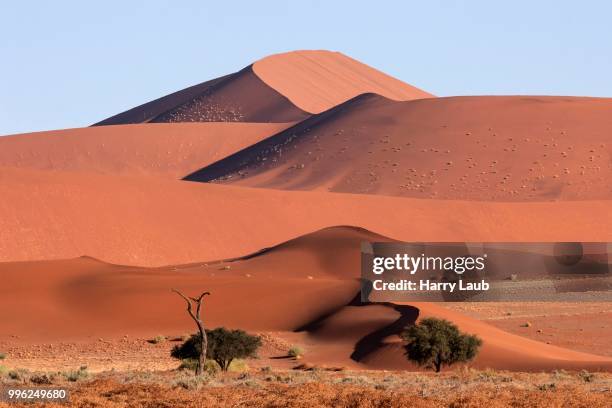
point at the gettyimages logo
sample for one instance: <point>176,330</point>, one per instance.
<point>412,264</point>
<point>486,272</point>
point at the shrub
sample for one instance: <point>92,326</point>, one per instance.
<point>76,375</point>
<point>295,352</point>
<point>223,346</point>
<point>42,379</point>
<point>2,356</point>
<point>586,376</point>
<point>433,343</point>
<point>547,387</point>
<point>18,374</point>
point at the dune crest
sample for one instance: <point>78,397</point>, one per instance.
<point>318,80</point>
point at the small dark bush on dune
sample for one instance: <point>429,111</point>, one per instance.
<point>433,343</point>
<point>223,346</point>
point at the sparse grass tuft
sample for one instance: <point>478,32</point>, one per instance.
<point>191,382</point>
<point>586,376</point>
<point>190,364</point>
<point>238,365</point>
<point>157,339</point>
<point>18,374</point>
<point>296,352</point>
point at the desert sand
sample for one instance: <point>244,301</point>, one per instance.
<point>147,221</point>
<point>267,212</point>
<point>307,287</point>
<point>159,149</point>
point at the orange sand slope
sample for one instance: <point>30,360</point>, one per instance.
<point>271,291</point>
<point>507,148</point>
<point>280,88</point>
<point>161,149</point>
<point>238,97</point>
<point>318,80</point>
<point>151,221</point>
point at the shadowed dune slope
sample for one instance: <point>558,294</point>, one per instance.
<point>318,80</point>
<point>271,291</point>
<point>374,328</point>
<point>496,148</point>
<point>238,97</point>
<point>152,221</point>
<point>161,149</point>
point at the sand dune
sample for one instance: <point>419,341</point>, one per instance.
<point>151,221</point>
<point>469,148</point>
<point>238,97</point>
<point>318,80</point>
<point>271,291</point>
<point>368,334</point>
<point>279,88</point>
<point>161,149</point>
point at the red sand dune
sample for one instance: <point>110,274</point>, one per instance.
<point>318,80</point>
<point>279,88</point>
<point>306,284</point>
<point>151,221</point>
<point>506,148</point>
<point>161,149</point>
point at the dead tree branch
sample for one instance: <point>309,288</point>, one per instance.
<point>198,321</point>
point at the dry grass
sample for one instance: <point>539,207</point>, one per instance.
<point>320,388</point>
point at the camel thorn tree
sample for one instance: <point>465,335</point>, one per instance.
<point>197,301</point>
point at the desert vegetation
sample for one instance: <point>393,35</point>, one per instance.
<point>223,347</point>
<point>321,388</point>
<point>201,336</point>
<point>434,343</point>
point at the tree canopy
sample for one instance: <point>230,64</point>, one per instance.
<point>223,346</point>
<point>434,343</point>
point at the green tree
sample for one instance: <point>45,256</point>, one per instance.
<point>223,346</point>
<point>433,343</point>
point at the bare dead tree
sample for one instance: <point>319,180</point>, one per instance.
<point>198,321</point>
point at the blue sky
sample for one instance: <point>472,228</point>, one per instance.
<point>71,63</point>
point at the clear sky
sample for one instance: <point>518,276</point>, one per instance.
<point>72,63</point>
